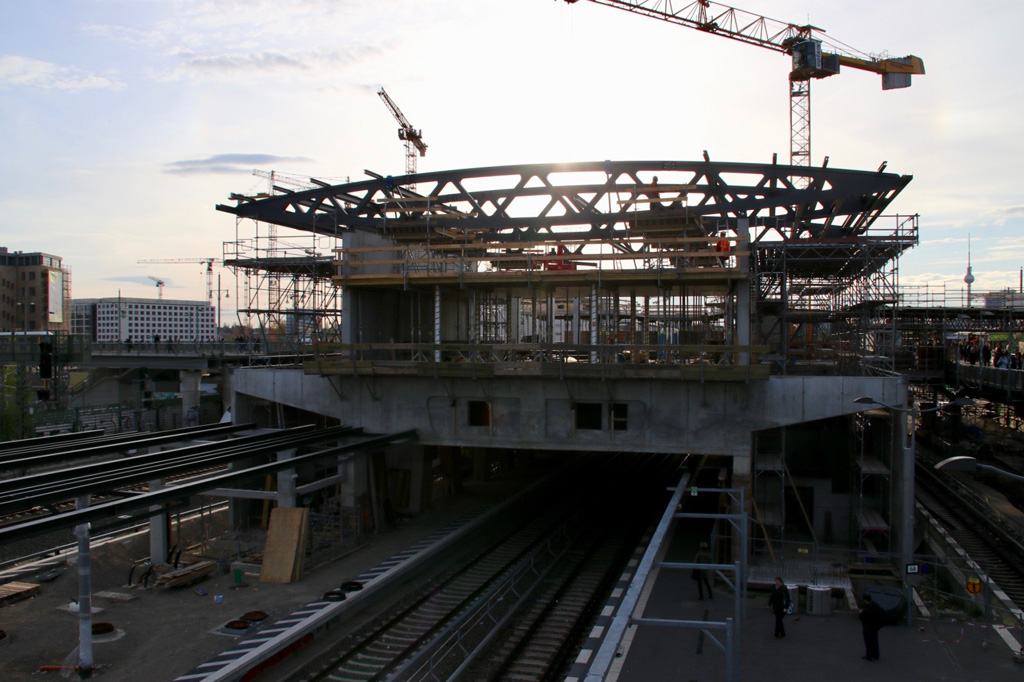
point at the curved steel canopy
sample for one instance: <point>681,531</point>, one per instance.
<point>587,200</point>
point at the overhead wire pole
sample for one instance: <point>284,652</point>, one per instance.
<point>802,42</point>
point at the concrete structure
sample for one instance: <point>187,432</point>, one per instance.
<point>728,310</point>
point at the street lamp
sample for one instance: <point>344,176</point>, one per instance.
<point>965,463</point>
<point>907,476</point>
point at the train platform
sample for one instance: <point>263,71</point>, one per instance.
<point>825,645</point>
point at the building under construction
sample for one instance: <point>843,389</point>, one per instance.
<point>729,310</point>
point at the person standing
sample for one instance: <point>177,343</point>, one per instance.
<point>701,574</point>
<point>872,618</point>
<point>779,603</point>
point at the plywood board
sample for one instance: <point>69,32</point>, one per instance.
<point>13,591</point>
<point>286,543</point>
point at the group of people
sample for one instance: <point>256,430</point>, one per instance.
<point>872,617</point>
<point>974,353</point>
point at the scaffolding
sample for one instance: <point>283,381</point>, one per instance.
<point>283,286</point>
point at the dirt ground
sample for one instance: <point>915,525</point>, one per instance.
<point>162,633</point>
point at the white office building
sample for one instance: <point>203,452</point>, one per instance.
<point>143,320</point>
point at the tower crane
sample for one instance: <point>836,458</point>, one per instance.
<point>160,284</point>
<point>813,55</point>
<point>413,138</point>
<point>209,270</point>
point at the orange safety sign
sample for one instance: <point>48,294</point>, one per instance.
<point>973,585</point>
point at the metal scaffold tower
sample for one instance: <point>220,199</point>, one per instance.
<point>283,284</point>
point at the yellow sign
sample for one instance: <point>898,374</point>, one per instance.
<point>973,585</point>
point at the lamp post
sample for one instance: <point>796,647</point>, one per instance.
<point>907,476</point>
<point>965,463</point>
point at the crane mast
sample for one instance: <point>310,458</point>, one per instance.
<point>209,270</point>
<point>412,137</point>
<point>813,55</point>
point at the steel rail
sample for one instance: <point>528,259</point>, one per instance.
<point>144,472</point>
<point>43,441</point>
<point>112,439</point>
<point>15,461</point>
<point>33,496</point>
<point>70,472</point>
<point>164,495</point>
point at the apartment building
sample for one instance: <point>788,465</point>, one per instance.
<point>35,292</point>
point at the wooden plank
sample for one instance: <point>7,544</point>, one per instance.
<point>286,536</point>
<point>186,575</point>
<point>13,591</point>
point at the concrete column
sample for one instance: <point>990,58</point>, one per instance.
<point>743,336</point>
<point>549,334</point>
<point>437,322</point>
<point>159,529</point>
<point>227,388</point>
<point>419,475</point>
<point>286,496</point>
<point>903,468</point>
<point>742,477</point>
<point>576,319</point>
<point>190,380</point>
<point>481,463</point>
<point>512,306</point>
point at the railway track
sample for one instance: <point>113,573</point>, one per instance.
<point>519,606</point>
<point>977,530</point>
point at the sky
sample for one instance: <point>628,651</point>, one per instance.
<point>124,122</point>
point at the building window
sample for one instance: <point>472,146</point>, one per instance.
<point>620,415</point>
<point>479,413</point>
<point>588,416</point>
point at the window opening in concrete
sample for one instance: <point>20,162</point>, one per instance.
<point>588,416</point>
<point>479,413</point>
<point>620,416</point>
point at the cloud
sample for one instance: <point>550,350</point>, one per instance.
<point>233,65</point>
<point>25,72</point>
<point>229,163</point>
<point>1012,211</point>
<point>126,34</point>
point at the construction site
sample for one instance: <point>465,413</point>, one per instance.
<point>607,305</point>
<point>740,323</point>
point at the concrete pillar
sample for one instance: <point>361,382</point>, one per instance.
<point>159,529</point>
<point>437,322</point>
<point>512,306</point>
<point>903,470</point>
<point>481,463</point>
<point>742,477</point>
<point>286,496</point>
<point>419,478</point>
<point>743,336</point>
<point>190,380</point>
<point>576,319</point>
<point>227,388</point>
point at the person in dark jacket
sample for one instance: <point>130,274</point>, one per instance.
<point>872,618</point>
<point>779,603</point>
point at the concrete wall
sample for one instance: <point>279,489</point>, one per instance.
<point>537,413</point>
